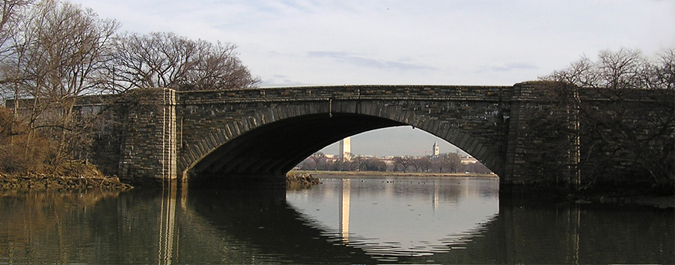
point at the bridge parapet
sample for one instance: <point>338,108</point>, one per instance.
<point>371,92</point>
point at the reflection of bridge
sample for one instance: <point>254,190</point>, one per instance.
<point>235,227</point>
<point>213,221</point>
<point>223,226</point>
<point>265,132</point>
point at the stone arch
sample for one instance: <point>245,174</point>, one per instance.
<point>273,140</point>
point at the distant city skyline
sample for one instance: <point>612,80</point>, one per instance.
<point>394,141</point>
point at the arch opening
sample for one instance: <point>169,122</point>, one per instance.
<point>274,148</point>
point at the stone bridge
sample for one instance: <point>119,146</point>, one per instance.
<point>259,134</point>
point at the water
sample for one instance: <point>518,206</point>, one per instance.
<point>342,221</point>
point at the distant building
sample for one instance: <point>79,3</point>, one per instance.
<point>436,150</point>
<point>346,149</point>
<point>467,159</point>
<point>331,158</point>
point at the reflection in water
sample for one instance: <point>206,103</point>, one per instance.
<point>355,221</point>
<point>167,223</point>
<point>395,217</point>
<point>574,222</point>
<point>344,210</point>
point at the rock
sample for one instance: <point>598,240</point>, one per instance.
<point>295,181</point>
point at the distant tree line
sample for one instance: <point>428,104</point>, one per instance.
<point>53,52</point>
<point>445,163</point>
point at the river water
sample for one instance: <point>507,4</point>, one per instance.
<point>342,221</point>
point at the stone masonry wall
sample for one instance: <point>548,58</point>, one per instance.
<point>149,145</point>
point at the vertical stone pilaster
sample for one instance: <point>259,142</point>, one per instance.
<point>515,147</point>
<point>575,140</point>
<point>169,141</point>
<point>149,146</point>
<point>543,140</point>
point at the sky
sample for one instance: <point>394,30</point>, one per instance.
<point>404,42</point>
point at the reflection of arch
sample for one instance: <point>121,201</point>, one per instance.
<point>402,225</point>
<point>273,140</point>
<point>265,222</point>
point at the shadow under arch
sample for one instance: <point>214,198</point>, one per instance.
<point>268,144</point>
<point>276,147</point>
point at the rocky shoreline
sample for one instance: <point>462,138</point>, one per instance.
<point>650,201</point>
<point>61,183</point>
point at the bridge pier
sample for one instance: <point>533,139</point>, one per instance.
<point>148,149</point>
<point>543,137</point>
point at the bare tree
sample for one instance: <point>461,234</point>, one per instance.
<point>355,163</point>
<point>422,163</point>
<point>12,14</point>
<point>448,162</point>
<point>662,73</point>
<point>316,158</point>
<point>56,51</point>
<point>403,162</point>
<point>625,69</point>
<point>171,61</point>
<point>218,68</point>
<point>374,164</point>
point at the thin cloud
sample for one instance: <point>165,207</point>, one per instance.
<point>508,67</point>
<point>367,62</point>
<point>279,80</point>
